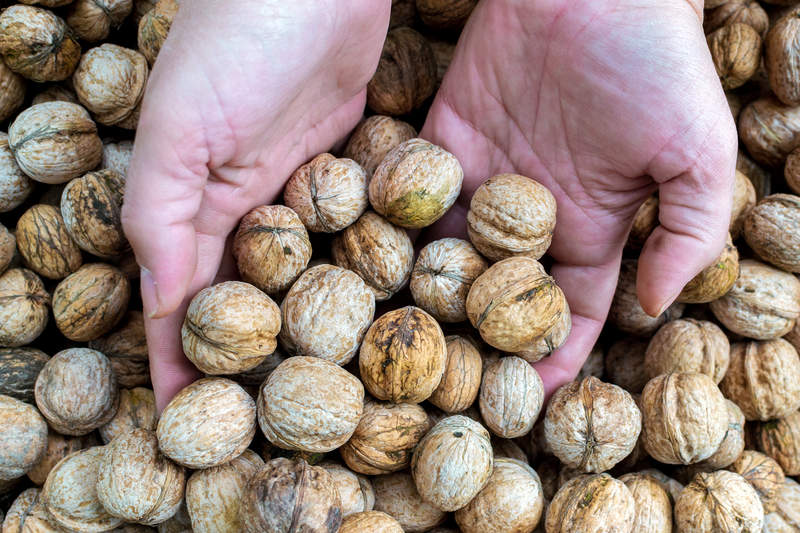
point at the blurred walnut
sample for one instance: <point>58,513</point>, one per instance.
<point>736,52</point>
<point>37,43</point>
<point>55,93</point>
<point>710,4</point>
<point>12,91</point>
<point>45,244</point>
<point>154,27</point>
<point>786,516</point>
<point>735,103</point>
<point>716,279</point>
<point>19,368</point>
<point>627,314</point>
<point>748,12</point>
<point>23,307</point>
<point>355,491</point>
<point>759,178</point>
<point>687,345</point>
<point>772,229</point>
<point>461,380</point>
<point>375,137</point>
<point>624,364</point>
<point>443,52</point>
<point>445,14</point>
<point>58,447</point>
<point>126,348</point>
<point>137,410</point>
<point>593,366</point>
<point>15,186</point>
<point>732,444</point>
<point>140,8</point>
<point>406,74</point>
<point>404,13</point>
<point>397,496</point>
<point>644,222</point>
<point>782,59</point>
<point>791,172</point>
<point>93,20</point>
<point>591,503</point>
<point>769,130</point>
<point>23,440</point>
<point>653,512</point>
<point>719,501</point>
<point>780,439</point>
<point>20,511</point>
<point>763,473</point>
<point>511,397</point>
<point>370,522</point>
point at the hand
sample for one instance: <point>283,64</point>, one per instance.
<point>243,93</point>
<point>602,102</point>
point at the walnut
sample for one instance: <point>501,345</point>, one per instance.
<point>15,186</point>
<point>591,503</point>
<point>461,380</point>
<point>653,508</point>
<point>23,440</point>
<point>736,52</point>
<point>328,194</point>
<point>370,522</point>
<point>289,495</point>
<point>735,103</point>
<point>117,156</point>
<point>126,348</point>
<point>207,423</point>
<point>38,44</point>
<point>47,3</point>
<point>748,12</point>
<point>624,364</point>
<point>271,248</point>
<point>780,439</point>
<point>375,137</point>
<point>644,222</point>
<point>719,501</point>
<point>781,59</point>
<point>593,366</point>
<point>445,14</point>
<point>511,397</point>
<point>627,314</point>
<point>688,345</point>
<point>23,307</point>
<point>20,511</point>
<point>759,178</point>
<point>508,449</point>
<point>55,93</point>
<point>58,447</point>
<point>93,20</point>
<point>769,130</point>
<point>180,523</point>
<point>684,418</point>
<point>397,496</point>
<point>154,27</point>
<point>518,308</point>
<point>406,74</point>
<point>452,462</point>
<point>715,280</point>
<point>403,356</point>
<point>90,206</point>
<point>257,376</point>
<point>763,473</point>
<point>378,251</point>
<point>292,419</point>
<point>140,8</point>
<point>786,517</point>
<point>511,215</point>
<point>764,303</point>
<point>12,91</point>
<point>442,276</point>
<point>343,308</point>
<point>443,51</point>
<point>404,13</point>
<point>18,370</point>
<point>415,184</point>
<point>355,491</point>
<point>137,410</point>
<point>770,229</point>
<point>670,485</point>
<point>732,444</point>
<point>44,243</point>
<point>214,495</point>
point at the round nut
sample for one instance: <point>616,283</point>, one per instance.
<point>624,364</point>
<point>781,58</point>
<point>732,445</point>
<point>672,486</point>
<point>786,517</point>
<point>58,447</point>
<point>763,473</point>
<point>375,137</point>
<point>44,243</point>
<point>748,12</point>
<point>23,440</point>
<point>715,280</point>
<point>15,186</point>
<point>644,222</point>
<point>355,491</point>
<point>627,314</point>
<point>591,503</point>
<point>744,198</point>
<point>370,522</point>
<point>653,509</point>
<point>19,368</point>
<point>770,230</point>
<point>93,20</point>
<point>397,496</point>
<point>719,501</point>
<point>445,14</point>
<point>461,380</point>
<point>137,410</point>
<point>12,91</point>
<point>23,307</point>
<point>511,397</point>
<point>154,26</point>
<point>688,345</point>
<point>736,52</point>
<point>780,439</point>
<point>769,130</point>
<point>20,510</point>
<point>126,348</point>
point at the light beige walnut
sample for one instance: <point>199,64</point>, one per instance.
<point>58,447</point>
<point>445,14</point>
<point>309,404</point>
<point>397,496</point>
<point>715,280</point>
<point>736,52</point>
<point>786,516</point>
<point>653,512</point>
<point>763,473</point>
<point>627,314</point>
<point>624,364</point>
<point>672,486</point>
<point>511,215</point>
<point>769,130</point>
<point>684,418</point>
<point>443,274</point>
<point>126,348</point>
<point>76,391</point>
<point>154,27</point>
<point>355,491</point>
<point>780,439</point>
<point>137,410</point>
<point>93,20</point>
<point>511,397</point>
<point>326,314</point>
<point>763,304</point>
<point>771,229</point>
<point>719,501</point>
<point>375,137</point>
<point>591,503</point>
<point>44,243</point>
<point>28,515</point>
<point>15,185</point>
<point>688,345</point>
<point>207,423</point>
<point>732,444</point>
<point>644,222</point>
<point>452,462</point>
<point>378,251</point>
<point>370,522</point>
<point>461,380</point>
<point>23,440</point>
<point>12,91</point>
<point>23,307</point>
<point>117,156</point>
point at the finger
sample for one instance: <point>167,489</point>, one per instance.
<point>170,371</point>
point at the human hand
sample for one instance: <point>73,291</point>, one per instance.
<point>602,102</point>
<point>243,93</point>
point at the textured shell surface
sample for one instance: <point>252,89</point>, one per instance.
<point>8,248</point>
<point>355,490</point>
<point>592,504</point>
<point>750,12</point>
<point>23,440</point>
<point>12,91</point>
<point>624,364</point>
<point>126,348</point>
<point>23,307</point>
<point>154,27</point>
<point>137,410</point>
<point>445,14</point>
<point>688,345</point>
<point>781,58</point>
<point>511,397</point>
<point>772,230</point>
<point>375,137</point>
<point>58,447</point>
<point>19,511</point>
<point>370,522</point>
<point>719,501</point>
<point>19,368</point>
<point>117,156</point>
<point>45,244</point>
<point>715,280</point>
<point>744,198</point>
<point>786,517</point>
<point>732,444</point>
<point>780,439</point>
<point>653,512</point>
<point>93,20</point>
<point>627,314</point>
<point>769,130</point>
<point>763,473</point>
<point>461,380</point>
<point>55,93</point>
<point>15,185</point>
<point>397,496</point>
<point>736,52</point>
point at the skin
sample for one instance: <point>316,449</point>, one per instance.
<point>594,99</point>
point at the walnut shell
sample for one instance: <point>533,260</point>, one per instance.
<point>684,418</point>
<point>328,194</point>
<point>759,178</point>
<point>770,229</point>
<point>378,251</point>
<point>91,301</point>
<point>748,12</point>
<point>591,503</point>
<point>140,8</point>
<point>786,517</point>
<point>594,364</point>
<point>763,473</point>
<point>289,495</point>
<point>511,215</point>
<point>180,523</point>
<point>137,410</point>
<point>19,511</point>
<point>230,327</point>
<point>673,487</point>
<point>355,491</point>
<point>732,444</point>
<point>30,515</point>
<point>271,248</point>
<point>443,274</point>
<point>292,419</point>
<point>326,314</point>
<point>375,137</point>
<point>719,501</point>
<point>461,380</point>
<point>781,58</point>
<point>518,308</point>
<point>736,52</point>
<point>653,509</point>
<point>406,74</point>
<point>93,20</point>
<point>644,222</point>
<point>445,14</point>
<point>688,345</point>
<point>19,368</point>
<point>443,51</point>
<point>58,447</point>
<point>624,364</point>
<point>715,280</point>
<point>763,303</point>
<point>55,93</point>
<point>23,440</point>
<point>791,171</point>
<point>38,44</point>
<point>780,439</point>
<point>769,130</point>
<point>54,142</point>
<point>415,184</point>
<point>126,348</point>
<point>385,437</point>
<point>452,462</point>
<point>15,185</point>
<point>397,496</point>
<point>370,522</point>
<point>509,449</point>
<point>511,397</point>
<point>117,156</point>
<point>403,356</point>
<point>23,307</point>
<point>12,91</point>
<point>44,243</point>
<point>154,27</point>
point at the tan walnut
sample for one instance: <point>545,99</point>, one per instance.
<point>771,229</point>
<point>15,185</point>
<point>769,130</point>
<point>763,473</point>
<point>719,501</point>
<point>137,410</point>
<point>627,314</point>
<point>736,52</point>
<point>780,439</point>
<point>154,27</point>
<point>731,446</point>
<point>12,91</point>
<point>744,198</point>
<point>23,307</point>
<point>45,244</point>
<point>688,345</point>
<point>781,58</point>
<point>653,507</point>
<point>786,517</point>
<point>370,522</point>
<point>23,440</point>
<point>93,20</point>
<point>644,222</point>
<point>461,380</point>
<point>591,503</point>
<point>511,397</point>
<point>355,490</point>
<point>397,496</point>
<point>715,280</point>
<point>375,137</point>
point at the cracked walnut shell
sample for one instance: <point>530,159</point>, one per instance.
<point>771,229</point>
<point>591,503</point>
<point>461,380</point>
<point>511,397</point>
<point>45,244</point>
<point>397,496</point>
<point>23,307</point>
<point>719,501</point>
<point>375,137</point>
<point>688,345</point>
<point>93,20</point>
<point>23,440</point>
<point>715,280</point>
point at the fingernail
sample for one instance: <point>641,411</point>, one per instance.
<point>149,292</point>
<point>668,302</point>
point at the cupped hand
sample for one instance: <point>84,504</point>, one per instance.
<point>242,94</point>
<point>602,101</point>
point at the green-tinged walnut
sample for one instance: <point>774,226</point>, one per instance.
<point>23,440</point>
<point>781,58</point>
<point>58,447</point>
<point>154,27</point>
<point>688,345</point>
<point>769,130</point>
<point>780,439</point>
<point>415,184</point>
<point>786,516</point>
<point>378,251</point>
<point>271,248</point>
<point>8,248</point>
<point>55,93</point>
<point>37,43</point>
<point>591,425</point>
<point>54,142</point>
<point>763,473</point>
<point>461,380</point>
<point>355,491</point>
<point>91,301</point>
<point>653,510</point>
<point>748,12</point>
<point>397,496</point>
<point>309,404</point>
<point>403,356</point>
<point>736,52</point>
<point>328,194</point>
<point>385,437</point>
<point>289,495</point>
<point>117,156</point>
<point>644,222</point>
<point>732,444</point>
<point>326,314</point>
<point>624,364</point>
<point>406,74</point>
<point>90,207</point>
<point>207,423</point>
<point>715,280</point>
<point>445,14</point>
<point>126,348</point>
<point>452,462</point>
<point>719,501</point>
<point>518,308</point>
<point>591,503</point>
<point>684,418</point>
<point>511,215</point>
<point>44,243</point>
<point>229,328</point>
<point>93,20</point>
<point>12,91</point>
<point>771,229</point>
<point>511,397</point>
<point>137,410</point>
<point>23,307</point>
<point>15,185</point>
<point>370,522</point>
<point>763,304</point>
<point>443,274</point>
<point>375,137</point>
<point>19,368</point>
